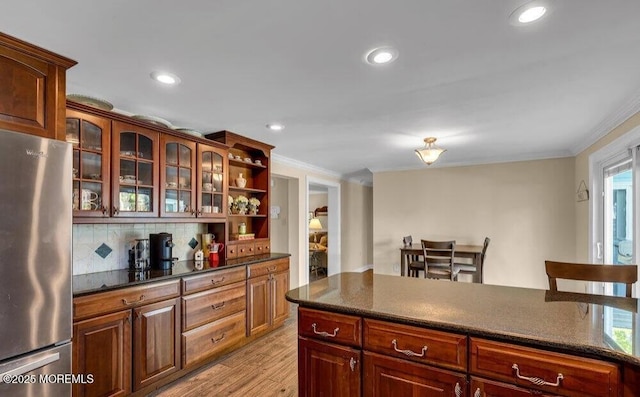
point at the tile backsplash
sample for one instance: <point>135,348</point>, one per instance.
<point>98,248</point>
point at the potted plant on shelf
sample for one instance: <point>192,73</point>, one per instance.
<point>254,203</point>
<point>240,203</point>
<point>230,204</point>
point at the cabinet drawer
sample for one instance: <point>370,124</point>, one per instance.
<point>486,388</point>
<point>246,249</point>
<point>264,268</point>
<point>212,338</point>
<point>213,279</point>
<point>207,306</point>
<point>417,344</point>
<point>106,302</point>
<point>262,247</point>
<point>232,251</point>
<point>337,328</point>
<point>574,376</point>
<point>388,376</point>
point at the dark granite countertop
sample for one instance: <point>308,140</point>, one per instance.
<point>567,322</point>
<point>90,283</point>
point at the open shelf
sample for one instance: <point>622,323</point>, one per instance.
<point>246,189</point>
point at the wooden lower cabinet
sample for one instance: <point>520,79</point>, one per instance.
<point>102,347</point>
<point>267,306</point>
<point>388,376</point>
<point>326,369</point>
<point>486,388</point>
<point>156,342</point>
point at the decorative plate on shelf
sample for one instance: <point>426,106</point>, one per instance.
<point>90,101</point>
<point>189,131</point>
<point>153,120</point>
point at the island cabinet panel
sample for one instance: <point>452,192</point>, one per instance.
<point>443,349</point>
<point>102,347</point>
<point>156,342</point>
<point>326,369</point>
<point>213,338</point>
<point>388,376</point>
<point>333,327</point>
<point>486,388</point>
<point>546,371</point>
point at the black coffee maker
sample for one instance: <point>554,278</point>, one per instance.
<point>161,251</point>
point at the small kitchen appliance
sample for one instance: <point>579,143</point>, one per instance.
<point>139,255</point>
<point>161,251</point>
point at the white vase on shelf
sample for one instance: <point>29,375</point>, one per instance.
<point>241,181</point>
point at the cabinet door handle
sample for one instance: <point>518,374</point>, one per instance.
<point>407,352</point>
<point>352,364</point>
<point>537,381</point>
<point>323,333</point>
<point>216,340</point>
<point>458,390</point>
<point>272,268</point>
<point>218,281</point>
<point>105,211</point>
<point>218,306</point>
<point>478,393</point>
<point>127,303</point>
<point>116,210</point>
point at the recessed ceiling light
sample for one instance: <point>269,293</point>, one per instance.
<point>381,55</point>
<point>165,78</point>
<point>529,12</point>
<point>275,126</point>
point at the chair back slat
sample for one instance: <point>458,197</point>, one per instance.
<point>439,253</point>
<point>626,274</point>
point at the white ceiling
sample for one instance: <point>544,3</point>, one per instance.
<point>489,91</point>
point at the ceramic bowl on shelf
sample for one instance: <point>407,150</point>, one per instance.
<point>248,160</point>
<point>172,184</point>
<point>230,155</point>
<point>258,162</point>
<point>207,187</point>
<point>95,176</point>
<point>238,158</point>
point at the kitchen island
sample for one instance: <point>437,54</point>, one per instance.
<point>375,335</point>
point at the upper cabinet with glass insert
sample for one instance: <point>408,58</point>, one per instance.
<point>212,196</point>
<point>135,171</point>
<point>178,177</point>
<point>90,136</point>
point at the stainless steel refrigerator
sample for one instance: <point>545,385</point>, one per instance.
<point>35,266</point>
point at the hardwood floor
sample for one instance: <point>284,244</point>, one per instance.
<point>266,367</point>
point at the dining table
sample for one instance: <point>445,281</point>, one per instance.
<point>474,252</point>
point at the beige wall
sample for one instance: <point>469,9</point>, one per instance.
<point>526,208</point>
<point>317,200</point>
<point>582,174</point>
<point>354,246</point>
<point>279,233</point>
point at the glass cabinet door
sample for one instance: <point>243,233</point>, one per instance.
<point>135,175</point>
<point>89,136</point>
<point>178,182</point>
<point>211,198</point>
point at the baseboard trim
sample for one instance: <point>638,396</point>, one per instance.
<point>364,268</point>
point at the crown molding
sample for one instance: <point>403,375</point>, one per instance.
<point>304,166</point>
<point>609,124</point>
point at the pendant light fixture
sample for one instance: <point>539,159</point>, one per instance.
<point>430,152</point>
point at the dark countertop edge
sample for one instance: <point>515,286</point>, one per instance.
<point>249,261</point>
<point>525,340</point>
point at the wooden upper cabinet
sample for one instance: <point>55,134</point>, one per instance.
<point>211,186</point>
<point>135,177</point>
<point>178,177</point>
<point>91,139</point>
<point>32,89</point>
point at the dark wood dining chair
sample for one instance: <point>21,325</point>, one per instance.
<point>438,260</point>
<point>412,260</point>
<point>469,268</point>
<point>626,274</point>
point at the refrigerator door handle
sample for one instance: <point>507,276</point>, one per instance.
<point>23,369</point>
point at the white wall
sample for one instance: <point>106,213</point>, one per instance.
<point>526,208</point>
<point>279,233</point>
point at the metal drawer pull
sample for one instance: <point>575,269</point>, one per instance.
<point>218,306</point>
<point>478,393</point>
<point>216,340</point>
<point>458,390</point>
<point>272,269</point>
<point>214,282</point>
<point>352,364</point>
<point>134,302</point>
<point>537,381</point>
<point>322,333</point>
<point>408,352</point>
